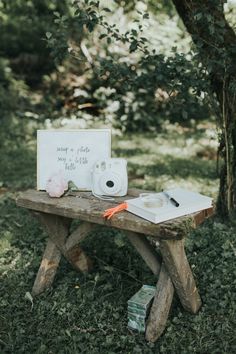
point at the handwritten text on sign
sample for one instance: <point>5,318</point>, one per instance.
<point>72,158</point>
<point>71,152</point>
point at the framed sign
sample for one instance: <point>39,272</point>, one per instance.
<point>71,152</point>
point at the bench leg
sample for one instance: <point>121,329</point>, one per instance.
<point>74,253</point>
<point>176,262</point>
<point>57,228</point>
<point>47,269</point>
<point>58,244</point>
<point>146,251</point>
<point>159,312</point>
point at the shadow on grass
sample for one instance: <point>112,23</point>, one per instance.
<point>177,167</point>
<point>121,152</point>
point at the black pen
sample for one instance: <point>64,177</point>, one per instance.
<point>172,200</point>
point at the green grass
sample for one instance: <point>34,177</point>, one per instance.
<point>88,313</point>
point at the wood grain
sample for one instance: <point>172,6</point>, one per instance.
<point>85,207</point>
<point>146,251</point>
<point>47,270</point>
<point>79,234</point>
<point>176,262</point>
<point>161,305</point>
<point>57,229</point>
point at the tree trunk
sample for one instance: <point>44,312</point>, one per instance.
<point>216,43</point>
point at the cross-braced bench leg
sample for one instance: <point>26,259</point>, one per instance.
<point>159,312</point>
<point>58,244</point>
<point>176,262</point>
<point>146,251</point>
<point>47,270</point>
<point>162,301</point>
<point>73,252</point>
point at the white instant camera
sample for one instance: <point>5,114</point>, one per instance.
<point>109,177</point>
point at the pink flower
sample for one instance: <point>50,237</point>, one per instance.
<point>56,185</point>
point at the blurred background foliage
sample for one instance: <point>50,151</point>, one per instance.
<point>127,64</point>
<point>23,25</point>
<point>139,61</point>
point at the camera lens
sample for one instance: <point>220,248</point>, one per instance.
<point>110,184</point>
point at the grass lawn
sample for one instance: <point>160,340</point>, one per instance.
<point>88,313</point>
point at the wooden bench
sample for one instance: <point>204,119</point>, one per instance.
<point>171,267</point>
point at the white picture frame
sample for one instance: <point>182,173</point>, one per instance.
<point>72,153</point>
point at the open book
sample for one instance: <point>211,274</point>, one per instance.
<point>157,207</point>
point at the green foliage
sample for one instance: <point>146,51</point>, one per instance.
<point>13,94</point>
<point>23,27</point>
<point>154,89</point>
<point>24,58</point>
<point>136,87</point>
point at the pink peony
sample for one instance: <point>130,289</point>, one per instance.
<point>56,185</point>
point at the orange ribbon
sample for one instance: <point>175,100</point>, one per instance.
<point>110,212</point>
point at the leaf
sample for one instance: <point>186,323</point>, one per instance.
<point>146,15</point>
<point>48,35</point>
<point>29,297</point>
<point>143,39</point>
<point>97,276</point>
<point>68,332</point>
<point>134,32</point>
<point>198,16</point>
<point>57,14</point>
<point>103,35</point>
<point>72,186</point>
<point>119,241</point>
<point>184,114</point>
<point>133,46</point>
<point>109,268</point>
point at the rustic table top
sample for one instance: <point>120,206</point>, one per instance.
<point>86,207</point>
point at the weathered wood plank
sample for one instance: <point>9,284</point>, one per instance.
<point>176,262</point>
<point>57,229</point>
<point>91,210</point>
<point>47,270</point>
<point>52,254</point>
<point>78,259</point>
<point>159,312</point>
<point>146,251</point>
<point>74,252</point>
<point>79,234</point>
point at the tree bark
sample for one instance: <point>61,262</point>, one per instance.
<point>216,43</point>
